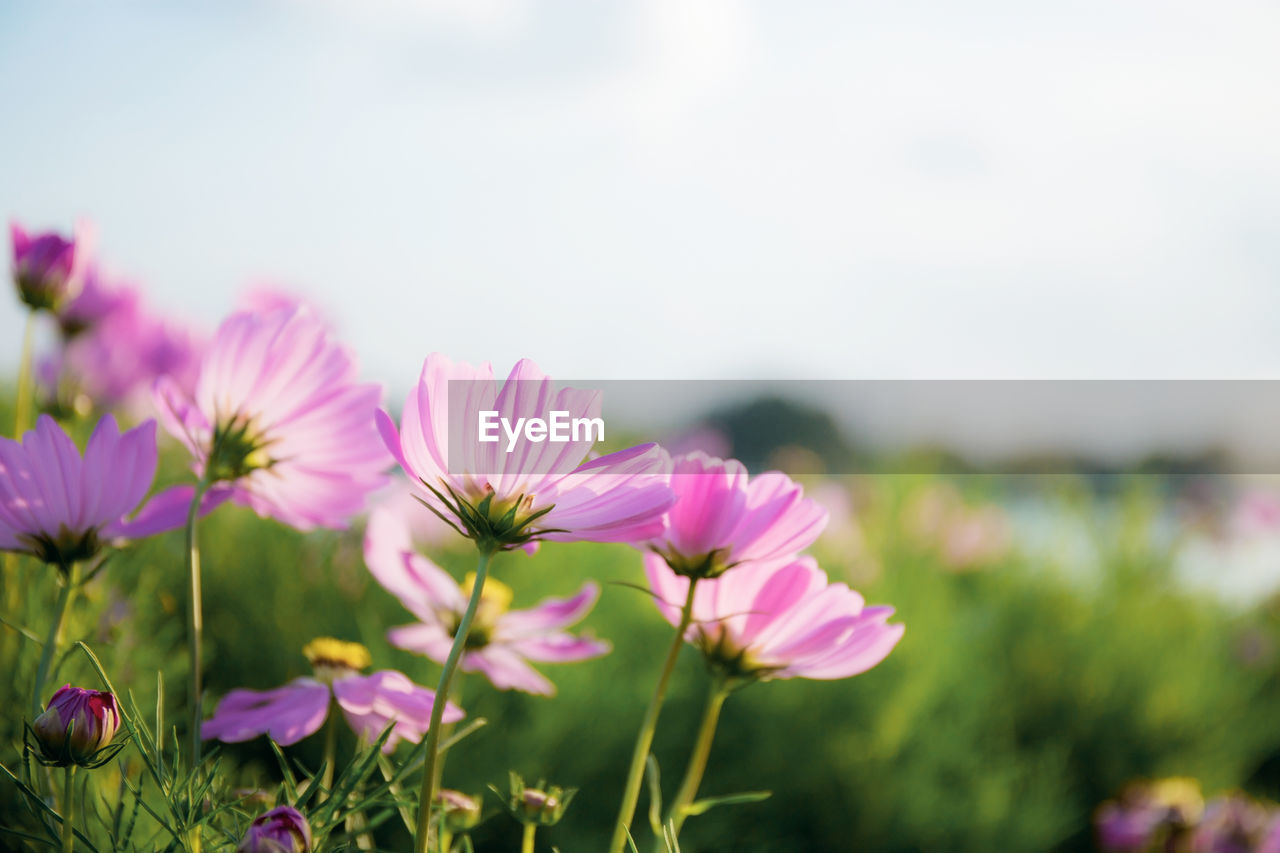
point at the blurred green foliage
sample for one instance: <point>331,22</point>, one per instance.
<point>1021,696</point>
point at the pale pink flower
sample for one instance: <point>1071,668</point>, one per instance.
<point>279,415</point>
<point>502,641</point>
<point>100,296</point>
<point>62,507</point>
<point>538,490</point>
<point>115,359</point>
<point>777,620</point>
<point>722,517</point>
<point>298,709</point>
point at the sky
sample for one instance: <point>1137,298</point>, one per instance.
<point>697,189</point>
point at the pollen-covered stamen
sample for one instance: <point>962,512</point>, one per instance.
<point>331,658</point>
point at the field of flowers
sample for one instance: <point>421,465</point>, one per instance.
<point>257,577</point>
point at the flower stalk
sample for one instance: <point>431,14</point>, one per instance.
<point>720,690</point>
<point>68,809</point>
<point>26,380</point>
<point>431,757</point>
<point>196,612</point>
<point>526,842</point>
<point>54,638</point>
<point>635,775</point>
<point>330,747</point>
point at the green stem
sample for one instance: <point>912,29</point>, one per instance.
<point>442,697</point>
<point>698,758</point>
<point>446,731</point>
<point>22,406</point>
<point>196,609</point>
<point>446,841</point>
<point>635,776</point>
<point>526,844</point>
<point>68,811</point>
<point>330,746</point>
<point>67,576</point>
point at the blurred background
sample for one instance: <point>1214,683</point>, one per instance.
<point>719,190</point>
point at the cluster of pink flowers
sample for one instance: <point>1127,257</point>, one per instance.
<point>275,417</point>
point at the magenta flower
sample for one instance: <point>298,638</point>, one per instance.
<point>502,642</point>
<point>99,297</point>
<point>113,361</point>
<point>1149,813</point>
<point>282,830</point>
<point>368,702</point>
<point>279,416</point>
<point>76,726</point>
<point>777,620</point>
<point>722,517</point>
<point>44,267</point>
<point>61,507</point>
<point>511,492</point>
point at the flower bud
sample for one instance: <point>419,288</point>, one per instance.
<point>76,726</point>
<point>281,830</point>
<point>537,805</point>
<point>42,267</point>
<point>459,812</point>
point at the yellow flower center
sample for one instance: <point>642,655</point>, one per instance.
<point>331,658</point>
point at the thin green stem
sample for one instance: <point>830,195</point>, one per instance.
<point>644,740</point>
<point>422,839</point>
<point>526,844</point>
<point>446,731</point>
<point>330,747</point>
<point>196,609</point>
<point>446,841</point>
<point>698,758</point>
<point>67,577</point>
<point>22,406</point>
<point>68,810</point>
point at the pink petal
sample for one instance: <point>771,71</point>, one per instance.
<point>507,670</point>
<point>287,714</point>
<point>549,614</point>
<point>559,648</point>
<point>371,702</point>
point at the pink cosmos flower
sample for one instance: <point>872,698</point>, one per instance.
<point>502,641</point>
<point>47,267</point>
<point>777,620</point>
<point>61,507</point>
<point>368,702</point>
<point>722,517</point>
<point>279,416</point>
<point>513,492</point>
